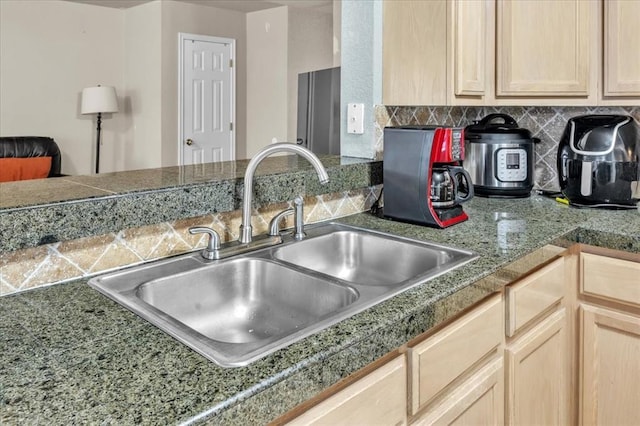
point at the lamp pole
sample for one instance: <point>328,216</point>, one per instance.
<point>98,144</point>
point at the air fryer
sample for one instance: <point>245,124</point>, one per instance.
<point>599,160</point>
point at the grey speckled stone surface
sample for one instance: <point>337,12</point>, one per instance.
<point>70,355</point>
<point>45,211</point>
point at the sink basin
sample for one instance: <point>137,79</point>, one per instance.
<point>367,258</point>
<point>245,300</point>
<point>237,310</point>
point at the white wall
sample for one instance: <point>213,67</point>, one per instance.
<point>50,51</point>
<point>142,74</point>
<point>267,74</point>
<point>310,48</point>
<point>203,20</point>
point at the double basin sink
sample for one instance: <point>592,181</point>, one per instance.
<point>236,310</point>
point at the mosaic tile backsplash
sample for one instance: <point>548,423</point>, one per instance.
<point>59,262</point>
<point>546,123</point>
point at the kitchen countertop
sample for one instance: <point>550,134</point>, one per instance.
<point>45,211</point>
<point>70,355</point>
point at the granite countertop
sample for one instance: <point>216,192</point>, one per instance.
<point>70,355</point>
<point>44,211</point>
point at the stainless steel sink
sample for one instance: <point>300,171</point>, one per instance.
<point>367,258</point>
<point>240,309</point>
<point>245,300</point>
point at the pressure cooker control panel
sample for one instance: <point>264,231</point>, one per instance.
<point>511,164</point>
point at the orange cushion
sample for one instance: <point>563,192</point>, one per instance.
<point>24,168</point>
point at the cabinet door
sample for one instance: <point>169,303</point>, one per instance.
<point>472,47</point>
<point>610,367</point>
<point>414,52</point>
<point>478,401</point>
<point>378,398</point>
<point>537,375</point>
<point>444,358</point>
<point>545,48</point>
<point>621,50</point>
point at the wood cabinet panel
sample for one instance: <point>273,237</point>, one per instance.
<point>444,357</point>
<point>531,296</point>
<point>610,278</point>
<point>470,46</point>
<point>478,401</point>
<point>414,52</point>
<point>378,398</point>
<point>538,382</point>
<point>609,367</point>
<point>621,48</point>
<point>544,48</point>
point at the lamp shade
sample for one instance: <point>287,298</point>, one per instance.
<point>99,99</point>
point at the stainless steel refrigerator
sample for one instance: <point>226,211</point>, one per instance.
<point>319,111</point>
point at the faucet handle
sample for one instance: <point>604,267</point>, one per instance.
<point>274,225</point>
<point>298,205</point>
<point>211,252</point>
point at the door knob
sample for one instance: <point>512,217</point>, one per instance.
<point>189,142</point>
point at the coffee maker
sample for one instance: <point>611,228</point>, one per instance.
<point>423,180</point>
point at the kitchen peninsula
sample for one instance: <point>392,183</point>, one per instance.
<point>70,355</point>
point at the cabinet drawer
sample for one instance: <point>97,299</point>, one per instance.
<point>530,296</point>
<point>378,398</point>
<point>444,357</point>
<point>610,278</point>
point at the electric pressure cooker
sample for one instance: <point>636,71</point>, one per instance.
<point>500,157</point>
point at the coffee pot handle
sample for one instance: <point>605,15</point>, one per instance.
<point>455,171</point>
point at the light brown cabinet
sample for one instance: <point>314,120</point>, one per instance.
<point>499,52</point>
<point>609,345</point>
<point>560,345</point>
<point>537,375</point>
<point>621,49</point>
<point>378,398</point>
<point>546,48</point>
<point>414,67</point>
<point>442,361</point>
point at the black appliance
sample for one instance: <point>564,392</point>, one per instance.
<point>599,161</point>
<point>500,157</point>
<point>423,180</point>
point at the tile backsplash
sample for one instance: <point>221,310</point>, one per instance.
<point>63,261</point>
<point>546,123</point>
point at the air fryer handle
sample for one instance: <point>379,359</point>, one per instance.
<point>508,120</point>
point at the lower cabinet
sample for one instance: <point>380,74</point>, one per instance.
<point>477,401</point>
<point>610,367</point>
<point>559,346</point>
<point>379,398</point>
<point>537,376</point>
<point>609,331</point>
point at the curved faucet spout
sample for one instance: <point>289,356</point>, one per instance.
<point>245,226</point>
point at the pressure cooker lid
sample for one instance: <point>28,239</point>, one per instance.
<point>496,126</point>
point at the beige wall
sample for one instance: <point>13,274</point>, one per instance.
<point>144,97</point>
<point>310,48</point>
<point>267,32</point>
<point>49,51</point>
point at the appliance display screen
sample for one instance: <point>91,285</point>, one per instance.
<point>513,161</point>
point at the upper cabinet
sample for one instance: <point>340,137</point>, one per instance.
<point>621,48</point>
<point>414,52</point>
<point>544,48</point>
<point>511,52</point>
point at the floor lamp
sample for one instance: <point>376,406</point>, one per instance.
<point>96,100</point>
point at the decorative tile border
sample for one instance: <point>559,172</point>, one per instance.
<point>54,263</point>
<point>546,123</point>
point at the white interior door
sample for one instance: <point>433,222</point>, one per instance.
<point>207,99</point>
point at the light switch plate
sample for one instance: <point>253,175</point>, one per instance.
<point>355,119</point>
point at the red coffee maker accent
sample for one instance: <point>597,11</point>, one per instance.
<point>424,182</point>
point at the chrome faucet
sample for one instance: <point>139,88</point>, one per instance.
<point>245,226</point>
